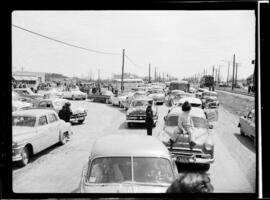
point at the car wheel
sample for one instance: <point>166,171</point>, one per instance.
<point>80,121</point>
<point>73,97</point>
<point>25,157</point>
<point>64,138</point>
<point>107,101</point>
<point>205,167</point>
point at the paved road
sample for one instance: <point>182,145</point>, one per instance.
<point>58,169</point>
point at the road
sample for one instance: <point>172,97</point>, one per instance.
<point>58,169</point>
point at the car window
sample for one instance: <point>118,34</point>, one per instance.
<point>110,170</point>
<point>139,103</point>
<point>199,122</point>
<point>152,170</point>
<point>23,121</point>
<point>52,118</point>
<point>42,121</point>
<point>43,104</point>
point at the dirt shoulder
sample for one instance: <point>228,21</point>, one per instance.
<point>236,104</point>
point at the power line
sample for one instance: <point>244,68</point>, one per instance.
<point>65,43</point>
<point>132,61</point>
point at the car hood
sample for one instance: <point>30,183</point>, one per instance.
<point>138,110</point>
<point>76,110</point>
<point>125,188</point>
<point>20,104</point>
<point>20,133</point>
<point>200,135</point>
<point>78,92</point>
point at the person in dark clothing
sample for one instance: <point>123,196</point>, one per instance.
<point>65,112</point>
<point>149,118</point>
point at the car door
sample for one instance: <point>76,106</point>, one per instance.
<point>42,139</point>
<point>54,126</point>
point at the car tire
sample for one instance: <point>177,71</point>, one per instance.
<point>81,121</point>
<point>73,98</point>
<point>107,101</point>
<point>64,138</point>
<point>129,124</point>
<point>205,167</point>
<point>25,157</point>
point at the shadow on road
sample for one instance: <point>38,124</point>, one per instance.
<point>246,141</point>
<point>132,126</point>
<point>15,165</point>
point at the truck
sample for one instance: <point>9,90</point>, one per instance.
<point>207,81</point>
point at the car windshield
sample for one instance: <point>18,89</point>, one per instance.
<point>119,169</point>
<point>139,103</point>
<point>198,122</point>
<point>156,91</point>
<point>23,121</point>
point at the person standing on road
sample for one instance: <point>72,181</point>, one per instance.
<point>149,118</point>
<point>65,113</point>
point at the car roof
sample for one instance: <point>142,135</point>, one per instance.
<point>194,112</point>
<point>190,100</point>
<point>127,144</point>
<point>178,91</point>
<point>32,112</point>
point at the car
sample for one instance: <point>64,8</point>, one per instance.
<point>135,95</point>
<point>247,125</point>
<point>158,95</point>
<point>195,102</point>
<point>203,152</point>
<point>51,92</point>
<point>175,95</point>
<point>210,99</point>
<point>137,111</point>
<point>34,130</point>
<point>128,163</point>
<point>200,91</point>
<point>104,96</point>
<point>78,114</point>
<point>28,93</point>
<point>20,103</point>
<point>117,100</point>
<point>73,93</point>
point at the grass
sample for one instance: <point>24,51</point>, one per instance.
<point>236,104</point>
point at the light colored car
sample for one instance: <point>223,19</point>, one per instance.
<point>128,163</point>
<point>19,103</point>
<point>74,93</point>
<point>210,99</point>
<point>247,125</point>
<point>117,100</point>
<point>27,92</point>
<point>34,130</point>
<point>78,113</point>
<point>158,95</point>
<point>51,92</point>
<point>137,111</point>
<point>203,152</point>
<point>135,95</point>
<point>195,102</point>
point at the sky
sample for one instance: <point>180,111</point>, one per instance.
<point>180,43</point>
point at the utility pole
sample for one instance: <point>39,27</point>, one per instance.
<point>149,73</point>
<point>228,72</point>
<point>218,74</point>
<point>122,77</point>
<point>233,71</point>
<point>98,74</point>
<point>236,66</point>
<point>155,74</point>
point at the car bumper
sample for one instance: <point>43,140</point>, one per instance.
<point>188,159</point>
<point>138,120</point>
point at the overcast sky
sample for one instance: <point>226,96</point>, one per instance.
<point>181,43</point>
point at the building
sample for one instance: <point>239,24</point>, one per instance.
<point>21,76</point>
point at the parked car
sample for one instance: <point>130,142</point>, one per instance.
<point>20,103</point>
<point>27,92</point>
<point>117,100</point>
<point>203,152</point>
<point>73,93</point>
<point>158,95</point>
<point>247,125</point>
<point>78,114</point>
<point>210,99</point>
<point>137,112</point>
<point>200,91</point>
<point>34,130</point>
<point>104,96</point>
<point>123,163</point>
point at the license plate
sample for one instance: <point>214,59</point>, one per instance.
<point>183,159</point>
